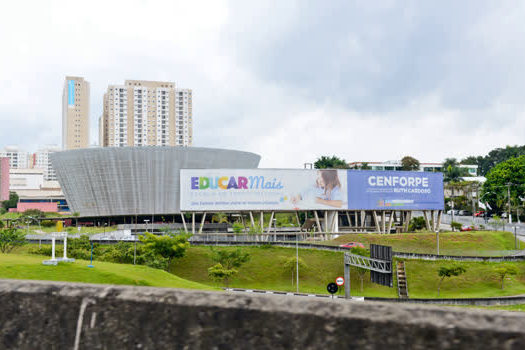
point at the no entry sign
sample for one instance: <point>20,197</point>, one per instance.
<point>340,281</point>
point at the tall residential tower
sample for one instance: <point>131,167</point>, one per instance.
<point>75,113</point>
<point>146,113</point>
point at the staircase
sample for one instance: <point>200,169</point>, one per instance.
<point>402,286</point>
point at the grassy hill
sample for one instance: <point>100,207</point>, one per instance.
<point>25,266</point>
<point>451,243</point>
<point>265,271</point>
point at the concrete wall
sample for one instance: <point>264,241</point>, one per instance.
<point>52,315</point>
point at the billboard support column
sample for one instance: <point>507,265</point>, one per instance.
<point>363,220</point>
<point>427,221</point>
<point>270,223</point>
<point>298,221</point>
<point>392,214</point>
<point>383,221</point>
<point>440,214</point>
<point>408,217</point>
<point>376,220</point>
<point>261,222</point>
<point>183,222</point>
<point>317,222</point>
<point>251,219</point>
<point>193,223</point>
<point>202,222</point>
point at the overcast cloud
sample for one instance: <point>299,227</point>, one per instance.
<point>289,80</point>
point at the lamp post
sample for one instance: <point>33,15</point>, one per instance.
<point>297,259</point>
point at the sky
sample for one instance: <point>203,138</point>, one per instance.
<point>289,80</point>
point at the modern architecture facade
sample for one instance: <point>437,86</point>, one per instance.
<point>17,158</point>
<point>131,181</point>
<point>146,113</point>
<point>75,113</point>
<point>396,165</point>
<point>4,178</point>
<point>42,161</point>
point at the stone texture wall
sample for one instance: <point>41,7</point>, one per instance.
<point>51,315</point>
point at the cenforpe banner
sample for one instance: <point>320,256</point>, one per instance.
<point>395,190</point>
<point>324,189</point>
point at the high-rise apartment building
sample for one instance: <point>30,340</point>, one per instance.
<point>146,113</point>
<point>17,159</point>
<point>75,113</point>
<point>41,160</point>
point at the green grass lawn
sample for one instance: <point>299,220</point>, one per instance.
<point>25,266</point>
<point>451,243</point>
<point>518,307</point>
<point>265,271</point>
<point>480,280</point>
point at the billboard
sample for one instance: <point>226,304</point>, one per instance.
<point>395,190</point>
<point>70,92</point>
<point>324,189</point>
<point>262,189</point>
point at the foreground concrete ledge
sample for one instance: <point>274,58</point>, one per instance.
<point>47,315</point>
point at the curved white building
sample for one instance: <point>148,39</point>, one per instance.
<point>129,181</point>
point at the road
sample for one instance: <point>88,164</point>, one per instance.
<point>490,223</point>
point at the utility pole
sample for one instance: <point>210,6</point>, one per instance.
<point>508,196</point>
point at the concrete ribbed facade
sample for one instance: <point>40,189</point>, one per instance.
<point>117,181</point>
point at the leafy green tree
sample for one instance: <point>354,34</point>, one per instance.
<point>449,271</point>
<point>365,166</point>
<point>290,266</point>
<point>409,163</point>
<point>11,202</point>
<point>11,238</point>
<point>220,218</point>
<point>219,273</point>
<point>229,258</point>
<point>361,273</point>
<point>166,246</point>
<point>330,163</point>
<point>494,190</point>
<point>505,270</point>
<point>416,224</point>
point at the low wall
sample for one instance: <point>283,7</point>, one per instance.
<point>52,315</point>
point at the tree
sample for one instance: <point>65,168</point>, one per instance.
<point>290,265</point>
<point>229,259</point>
<point>11,202</point>
<point>11,238</point>
<point>361,272</point>
<point>504,270</point>
<point>219,273</point>
<point>408,163</point>
<point>449,271</point>
<point>330,163</point>
<point>167,246</point>
<point>495,190</point>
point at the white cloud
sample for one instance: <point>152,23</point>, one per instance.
<point>283,79</point>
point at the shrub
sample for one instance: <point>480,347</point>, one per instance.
<point>456,225</point>
<point>237,227</point>
<point>47,223</point>
<point>417,223</point>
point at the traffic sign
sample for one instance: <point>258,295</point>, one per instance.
<point>340,281</point>
<point>332,288</point>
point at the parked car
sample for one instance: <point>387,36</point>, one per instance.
<point>464,213</point>
<point>480,213</point>
<point>466,228</point>
<point>455,211</point>
<point>351,245</point>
